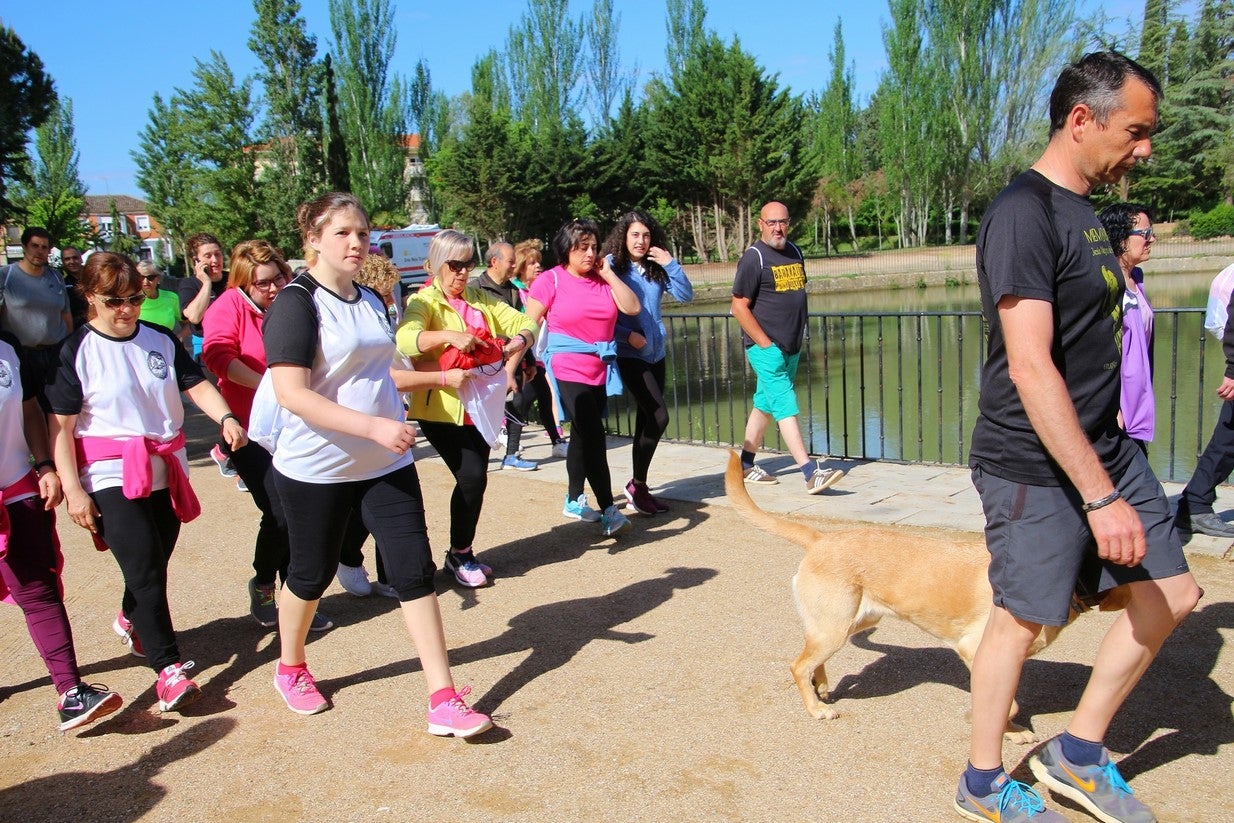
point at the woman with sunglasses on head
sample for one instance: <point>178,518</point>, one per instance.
<point>636,249</point>
<point>119,450</point>
<point>161,307</point>
<point>234,350</point>
<point>346,446</point>
<point>581,298</point>
<point>30,559</point>
<point>443,319</point>
<point>1130,229</point>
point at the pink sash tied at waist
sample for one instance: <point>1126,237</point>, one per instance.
<point>136,452</point>
<point>26,485</point>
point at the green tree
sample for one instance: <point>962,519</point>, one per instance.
<point>175,187</point>
<point>606,82</point>
<point>27,98</point>
<point>218,126</point>
<point>544,64</point>
<point>121,242</point>
<point>292,160</point>
<point>684,22</point>
<point>832,153</point>
<point>55,197</point>
<point>337,176</point>
<point>373,107</point>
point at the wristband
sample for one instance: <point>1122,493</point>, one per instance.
<point>226,417</point>
<point>50,464</point>
<point>1102,503</point>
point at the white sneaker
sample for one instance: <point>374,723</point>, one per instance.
<point>502,437</point>
<point>561,448</point>
<point>354,580</point>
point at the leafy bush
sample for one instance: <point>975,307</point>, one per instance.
<point>1216,222</point>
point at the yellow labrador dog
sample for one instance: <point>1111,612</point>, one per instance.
<point>851,578</point>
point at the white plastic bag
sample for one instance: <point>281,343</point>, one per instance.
<point>1218,301</point>
<point>267,418</point>
<point>484,398</point>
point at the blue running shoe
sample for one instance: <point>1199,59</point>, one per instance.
<point>613,522</point>
<point>579,510</point>
<point>1100,789</point>
<point>516,461</point>
<point>1009,802</point>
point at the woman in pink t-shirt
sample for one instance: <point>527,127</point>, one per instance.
<point>580,303</point>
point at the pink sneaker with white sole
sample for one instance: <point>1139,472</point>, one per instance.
<point>455,717</point>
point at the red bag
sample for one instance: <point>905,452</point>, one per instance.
<point>486,352</point>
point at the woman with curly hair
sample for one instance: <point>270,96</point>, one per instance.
<point>636,248</point>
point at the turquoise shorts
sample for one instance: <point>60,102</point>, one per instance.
<point>774,393</point>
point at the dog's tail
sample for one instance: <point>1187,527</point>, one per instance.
<point>735,486</point>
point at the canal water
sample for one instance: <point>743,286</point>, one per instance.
<point>893,374</point>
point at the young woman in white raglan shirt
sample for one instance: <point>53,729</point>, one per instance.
<point>347,445</point>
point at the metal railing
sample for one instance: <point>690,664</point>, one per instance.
<point>903,386</point>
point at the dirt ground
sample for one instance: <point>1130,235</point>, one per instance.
<point>639,679</point>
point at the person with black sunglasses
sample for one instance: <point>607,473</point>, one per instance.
<point>446,323</point>
<point>116,425</point>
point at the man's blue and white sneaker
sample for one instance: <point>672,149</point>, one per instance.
<point>579,510</point>
<point>1009,802</point>
<point>516,461</point>
<point>465,569</point>
<point>1100,789</point>
<point>613,522</point>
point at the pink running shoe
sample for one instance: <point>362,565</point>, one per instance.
<point>124,627</point>
<point>299,689</point>
<point>454,717</point>
<point>174,689</point>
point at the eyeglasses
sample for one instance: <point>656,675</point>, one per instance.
<point>1147,233</point>
<point>781,222</point>
<point>265,285</point>
<point>117,302</point>
<point>151,276</point>
<point>460,266</point>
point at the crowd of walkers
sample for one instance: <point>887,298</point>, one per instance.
<point>334,373</point>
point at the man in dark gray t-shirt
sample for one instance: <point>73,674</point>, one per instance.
<point>34,303</point>
<point>769,301</point>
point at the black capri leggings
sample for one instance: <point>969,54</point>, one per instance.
<point>391,508</point>
<point>465,451</point>
<point>141,534</point>
<point>587,457</point>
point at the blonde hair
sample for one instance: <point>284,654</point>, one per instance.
<point>524,253</point>
<point>313,216</point>
<point>379,274</point>
<point>448,245</point>
<point>247,256</point>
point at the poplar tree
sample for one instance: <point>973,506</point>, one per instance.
<point>175,187</point>
<point>292,163</point>
<point>55,196</point>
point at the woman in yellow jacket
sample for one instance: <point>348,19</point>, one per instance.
<point>445,315</point>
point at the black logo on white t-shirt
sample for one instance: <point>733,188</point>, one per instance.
<point>6,375</point>
<point>157,364</point>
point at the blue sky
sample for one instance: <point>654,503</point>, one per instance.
<point>111,59</point>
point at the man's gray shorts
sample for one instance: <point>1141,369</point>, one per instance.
<point>1041,549</point>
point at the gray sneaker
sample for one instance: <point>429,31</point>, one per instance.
<point>1212,525</point>
<point>1100,788</point>
<point>261,603</point>
<point>1009,802</point>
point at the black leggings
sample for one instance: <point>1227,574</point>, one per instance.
<point>465,451</point>
<point>252,463</point>
<point>645,382</point>
<point>587,458</point>
<point>141,534</point>
<point>391,508</point>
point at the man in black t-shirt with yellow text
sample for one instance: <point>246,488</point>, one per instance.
<point>769,302</point>
<point>1071,504</point>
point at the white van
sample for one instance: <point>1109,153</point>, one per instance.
<point>407,248</point>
